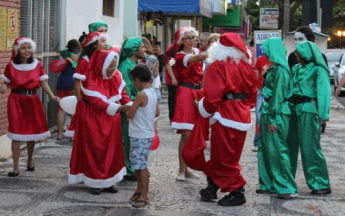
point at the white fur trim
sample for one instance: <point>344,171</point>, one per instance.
<point>202,110</point>
<point>112,108</point>
<point>229,123</point>
<point>172,62</point>
<point>21,42</point>
<point>44,77</point>
<point>106,64</point>
<point>219,52</point>
<point>4,78</point>
<point>25,67</point>
<point>185,59</point>
<point>129,103</point>
<point>86,58</point>
<point>182,126</point>
<point>28,137</point>
<point>96,38</point>
<point>113,99</point>
<point>187,29</point>
<point>69,133</point>
<point>79,76</point>
<point>97,183</point>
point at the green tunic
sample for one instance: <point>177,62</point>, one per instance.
<point>310,80</point>
<point>129,48</point>
<point>273,155</point>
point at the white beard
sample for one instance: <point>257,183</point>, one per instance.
<point>222,53</point>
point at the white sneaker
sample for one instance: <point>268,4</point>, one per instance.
<point>180,177</point>
<point>254,149</point>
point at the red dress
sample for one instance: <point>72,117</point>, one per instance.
<point>185,111</point>
<point>26,117</point>
<point>80,75</point>
<point>97,157</point>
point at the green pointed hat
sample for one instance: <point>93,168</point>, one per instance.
<point>275,50</point>
<point>94,26</point>
<point>129,47</point>
<point>311,53</point>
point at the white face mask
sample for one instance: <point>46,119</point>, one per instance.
<point>299,37</point>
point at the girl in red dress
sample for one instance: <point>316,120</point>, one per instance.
<point>97,157</point>
<point>26,118</point>
<point>188,64</point>
<point>94,41</point>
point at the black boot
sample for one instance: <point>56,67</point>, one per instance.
<point>323,127</point>
<point>210,192</point>
<point>95,191</point>
<point>233,199</point>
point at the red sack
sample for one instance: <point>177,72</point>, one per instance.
<point>58,65</point>
<point>193,149</point>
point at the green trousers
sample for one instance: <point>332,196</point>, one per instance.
<point>126,143</point>
<point>273,157</point>
<point>304,134</point>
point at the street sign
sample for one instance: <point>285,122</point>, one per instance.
<point>261,36</point>
<point>269,18</point>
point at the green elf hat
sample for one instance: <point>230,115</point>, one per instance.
<point>275,50</point>
<point>129,47</point>
<point>311,53</point>
<point>94,26</point>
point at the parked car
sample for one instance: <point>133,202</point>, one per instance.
<point>339,71</point>
<point>333,56</point>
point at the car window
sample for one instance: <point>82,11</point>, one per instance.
<point>333,56</point>
<point>340,58</point>
<point>343,62</point>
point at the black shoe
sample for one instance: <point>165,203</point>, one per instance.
<point>12,174</point>
<point>321,191</point>
<point>209,194</point>
<point>288,196</point>
<point>130,178</point>
<point>110,189</point>
<point>233,199</point>
<point>95,191</point>
<point>323,127</point>
<point>31,168</point>
<point>259,191</point>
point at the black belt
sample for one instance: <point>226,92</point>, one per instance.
<point>234,96</point>
<point>85,101</point>
<point>190,85</point>
<point>24,92</point>
<point>299,100</point>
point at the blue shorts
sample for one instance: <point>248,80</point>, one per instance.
<point>139,151</point>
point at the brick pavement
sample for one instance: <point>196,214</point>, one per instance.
<point>46,191</point>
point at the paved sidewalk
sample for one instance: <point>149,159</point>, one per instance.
<point>46,191</point>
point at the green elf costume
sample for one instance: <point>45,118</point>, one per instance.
<point>273,154</point>
<point>129,47</point>
<point>310,105</point>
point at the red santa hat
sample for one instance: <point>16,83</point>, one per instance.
<point>93,37</point>
<point>20,41</point>
<point>180,34</point>
<point>100,61</point>
<point>229,45</point>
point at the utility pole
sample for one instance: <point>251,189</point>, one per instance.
<point>286,21</point>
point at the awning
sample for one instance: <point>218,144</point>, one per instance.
<point>179,7</point>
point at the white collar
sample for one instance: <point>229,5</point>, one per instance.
<point>25,67</point>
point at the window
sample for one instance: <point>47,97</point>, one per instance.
<point>108,8</point>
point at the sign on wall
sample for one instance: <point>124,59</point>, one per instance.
<point>269,18</point>
<point>9,25</point>
<point>261,36</point>
<point>12,27</point>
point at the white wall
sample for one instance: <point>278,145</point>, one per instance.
<point>80,13</point>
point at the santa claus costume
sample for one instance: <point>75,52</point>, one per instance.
<point>230,93</point>
<point>80,74</point>
<point>97,157</point>
<point>26,118</point>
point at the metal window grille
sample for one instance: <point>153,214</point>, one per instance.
<point>40,20</point>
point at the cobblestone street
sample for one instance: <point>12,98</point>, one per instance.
<point>47,192</point>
